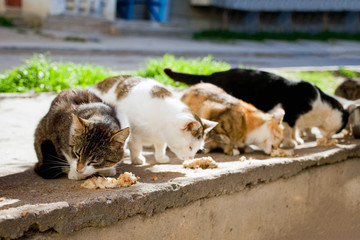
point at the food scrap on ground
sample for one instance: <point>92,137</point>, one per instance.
<point>326,141</point>
<point>204,162</point>
<point>282,152</point>
<point>124,180</point>
<point>242,158</point>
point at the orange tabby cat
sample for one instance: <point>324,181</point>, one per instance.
<point>240,124</point>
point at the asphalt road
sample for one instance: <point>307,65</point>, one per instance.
<point>133,52</point>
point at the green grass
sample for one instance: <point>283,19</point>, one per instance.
<point>205,65</point>
<point>75,39</point>
<point>342,72</point>
<point>325,80</point>
<point>225,35</point>
<point>40,74</point>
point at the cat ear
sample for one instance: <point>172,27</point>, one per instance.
<point>352,108</point>
<point>78,124</point>
<point>191,126</point>
<point>120,137</point>
<point>278,115</point>
<point>208,125</point>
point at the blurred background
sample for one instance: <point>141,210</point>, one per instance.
<point>193,15</point>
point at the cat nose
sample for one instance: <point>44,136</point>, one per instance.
<point>80,168</point>
<point>190,158</point>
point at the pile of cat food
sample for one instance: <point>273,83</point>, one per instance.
<point>204,162</point>
<point>278,152</point>
<point>124,180</point>
<point>326,141</point>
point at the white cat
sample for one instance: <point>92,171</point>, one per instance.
<point>156,118</point>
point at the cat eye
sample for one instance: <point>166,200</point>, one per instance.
<point>92,162</point>
<point>190,147</point>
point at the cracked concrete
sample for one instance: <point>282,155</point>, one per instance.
<point>31,206</point>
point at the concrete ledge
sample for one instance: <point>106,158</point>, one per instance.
<point>31,206</point>
<point>321,203</point>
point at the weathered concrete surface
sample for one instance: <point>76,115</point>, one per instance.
<point>32,206</point>
<point>320,203</point>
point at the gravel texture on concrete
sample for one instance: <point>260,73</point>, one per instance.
<point>30,204</point>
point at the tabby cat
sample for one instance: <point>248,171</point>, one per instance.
<point>239,124</point>
<point>349,89</point>
<point>156,118</point>
<point>80,136</point>
<point>305,104</point>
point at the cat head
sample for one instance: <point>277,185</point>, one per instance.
<point>95,146</point>
<point>267,130</point>
<point>189,135</point>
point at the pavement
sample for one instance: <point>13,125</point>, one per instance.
<point>29,204</point>
<point>132,52</point>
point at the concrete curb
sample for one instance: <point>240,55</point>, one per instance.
<point>71,211</point>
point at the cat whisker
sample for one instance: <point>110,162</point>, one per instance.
<point>55,167</point>
<point>58,174</point>
<point>59,160</point>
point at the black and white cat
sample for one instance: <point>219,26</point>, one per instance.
<point>305,104</point>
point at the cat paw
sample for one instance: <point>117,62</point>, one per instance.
<point>204,151</point>
<point>288,143</point>
<point>108,172</point>
<point>248,149</point>
<point>163,159</point>
<point>299,141</point>
<point>235,152</point>
<point>140,160</point>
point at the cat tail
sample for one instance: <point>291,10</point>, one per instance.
<point>190,79</point>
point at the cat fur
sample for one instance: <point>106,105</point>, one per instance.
<point>80,136</point>
<point>156,118</point>
<point>239,124</point>
<point>305,104</point>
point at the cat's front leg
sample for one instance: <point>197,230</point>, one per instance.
<point>136,156</point>
<point>160,153</point>
<point>288,141</point>
<point>296,136</point>
<point>230,150</point>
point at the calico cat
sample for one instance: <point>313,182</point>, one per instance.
<point>239,124</point>
<point>305,105</point>
<point>80,136</point>
<point>156,118</point>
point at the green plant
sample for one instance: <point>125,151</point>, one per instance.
<point>21,31</point>
<point>347,73</point>
<point>75,39</point>
<point>204,65</point>
<point>40,74</point>
<point>6,22</point>
<point>325,80</point>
